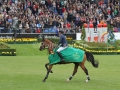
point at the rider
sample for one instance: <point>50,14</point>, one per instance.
<point>63,45</point>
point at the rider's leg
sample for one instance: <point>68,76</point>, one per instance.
<point>61,58</point>
<point>58,52</point>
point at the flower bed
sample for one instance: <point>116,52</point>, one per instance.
<point>98,50</point>
<point>5,50</point>
<point>29,40</point>
<point>18,40</point>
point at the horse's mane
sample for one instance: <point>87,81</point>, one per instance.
<point>48,40</point>
<point>50,45</point>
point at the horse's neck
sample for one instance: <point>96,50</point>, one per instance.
<point>49,44</point>
<point>50,50</point>
<point>48,41</point>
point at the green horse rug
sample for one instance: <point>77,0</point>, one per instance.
<point>69,54</point>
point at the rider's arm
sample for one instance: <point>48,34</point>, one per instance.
<point>60,41</point>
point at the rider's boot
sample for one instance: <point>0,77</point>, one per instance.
<point>61,60</point>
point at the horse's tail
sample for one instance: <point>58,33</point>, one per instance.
<point>90,58</point>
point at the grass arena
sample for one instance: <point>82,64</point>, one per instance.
<point>26,72</point>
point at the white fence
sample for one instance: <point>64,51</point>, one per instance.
<point>117,36</point>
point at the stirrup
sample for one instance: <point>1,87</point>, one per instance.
<point>62,60</point>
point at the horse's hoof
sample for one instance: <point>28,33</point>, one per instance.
<point>86,80</point>
<point>67,80</point>
<point>43,80</point>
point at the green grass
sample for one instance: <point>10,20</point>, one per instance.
<point>28,49</point>
<point>26,72</point>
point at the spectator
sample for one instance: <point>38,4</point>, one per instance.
<point>38,30</point>
<point>52,13</point>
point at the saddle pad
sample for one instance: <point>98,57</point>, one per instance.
<point>69,54</point>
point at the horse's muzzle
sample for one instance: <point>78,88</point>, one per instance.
<point>40,48</point>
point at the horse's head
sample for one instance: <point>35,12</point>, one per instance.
<point>42,46</point>
<point>47,43</point>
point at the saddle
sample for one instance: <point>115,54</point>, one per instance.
<point>69,54</point>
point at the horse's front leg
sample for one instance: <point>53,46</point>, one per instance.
<point>49,69</point>
<point>74,72</point>
<point>46,66</point>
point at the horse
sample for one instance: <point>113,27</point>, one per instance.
<point>87,56</point>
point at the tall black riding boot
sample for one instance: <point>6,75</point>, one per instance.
<point>61,58</point>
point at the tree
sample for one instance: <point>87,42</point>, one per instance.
<point>111,36</point>
<point>110,27</point>
<point>83,35</point>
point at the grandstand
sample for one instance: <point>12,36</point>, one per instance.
<point>48,16</point>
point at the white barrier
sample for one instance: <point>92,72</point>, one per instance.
<point>117,36</point>
<point>96,34</point>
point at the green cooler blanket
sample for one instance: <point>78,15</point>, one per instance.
<point>69,54</point>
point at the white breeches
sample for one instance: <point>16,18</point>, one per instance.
<point>61,48</point>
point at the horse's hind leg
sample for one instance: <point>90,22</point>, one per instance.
<point>74,72</point>
<point>84,68</point>
<point>46,66</point>
<point>86,71</point>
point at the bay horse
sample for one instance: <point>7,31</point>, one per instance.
<point>87,56</point>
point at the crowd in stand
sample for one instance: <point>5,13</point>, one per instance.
<point>47,16</point>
